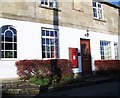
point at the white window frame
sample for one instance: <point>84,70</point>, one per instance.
<point>49,3</point>
<point>50,43</point>
<point>105,50</point>
<point>116,50</point>
<point>99,10</point>
<point>3,50</point>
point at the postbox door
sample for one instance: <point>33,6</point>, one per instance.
<point>73,56</point>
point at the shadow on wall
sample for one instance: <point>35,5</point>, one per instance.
<point>56,71</point>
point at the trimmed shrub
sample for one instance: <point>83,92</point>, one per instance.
<point>28,68</point>
<point>55,70</point>
<point>40,81</point>
<point>107,66</point>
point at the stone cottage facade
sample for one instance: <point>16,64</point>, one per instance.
<point>48,29</point>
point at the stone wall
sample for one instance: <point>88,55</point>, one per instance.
<point>69,14</point>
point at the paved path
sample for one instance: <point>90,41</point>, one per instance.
<point>104,89</point>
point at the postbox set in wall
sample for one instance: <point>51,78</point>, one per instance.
<point>73,57</point>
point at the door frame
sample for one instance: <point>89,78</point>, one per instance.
<point>90,58</point>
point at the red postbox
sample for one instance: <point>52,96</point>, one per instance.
<point>73,56</point>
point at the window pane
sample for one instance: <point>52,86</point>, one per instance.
<point>43,32</point>
<point>8,36</point>
<point>8,54</point>
<point>43,40</point>
<point>43,48</point>
<point>56,48</point>
<point>100,13</point>
<point>102,53</point>
<point>56,34</point>
<point>43,55</point>
<point>95,12</point>
<point>94,4</point>
<point>51,3</point>
<point>13,30</point>
<point>8,39</point>
<point>2,46</point>
<point>47,48</point>
<point>102,57</point>
<point>8,46</point>
<point>15,54</point>
<point>46,2</point>
<point>52,55</point>
<point>48,54</point>
<point>99,5</point>
<point>57,55</point>
<point>55,3</point>
<point>15,38</point>
<point>42,1</point>
<point>56,41</point>
<point>116,50</point>
<point>15,46</point>
<point>47,33</point>
<point>52,48</point>
<point>51,33</point>
<point>47,41</point>
<point>51,41</point>
<point>2,54</point>
<point>101,48</point>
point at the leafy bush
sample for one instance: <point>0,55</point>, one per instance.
<point>107,66</point>
<point>39,71</point>
<point>40,81</point>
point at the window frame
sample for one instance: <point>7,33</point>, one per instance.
<point>103,51</point>
<point>13,42</point>
<point>48,45</point>
<point>116,50</point>
<point>48,4</point>
<point>98,9</point>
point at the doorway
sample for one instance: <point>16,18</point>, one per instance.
<point>85,56</point>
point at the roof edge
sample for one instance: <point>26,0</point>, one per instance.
<point>108,3</point>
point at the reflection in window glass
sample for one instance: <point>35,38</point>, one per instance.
<point>43,40</point>
<point>43,48</point>
<point>116,51</point>
<point>51,33</point>
<point>43,33</point>
<point>47,33</point>
<point>97,10</point>
<point>50,43</point>
<point>9,54</point>
<point>105,50</point>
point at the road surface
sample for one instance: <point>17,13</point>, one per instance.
<point>104,89</point>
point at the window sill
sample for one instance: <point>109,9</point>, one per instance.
<point>78,10</point>
<point>99,20</point>
<point>49,58</point>
<point>50,8</point>
<point>8,59</point>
